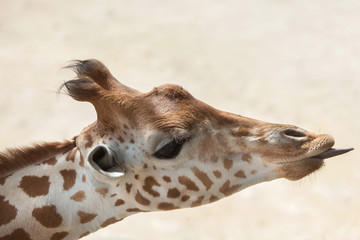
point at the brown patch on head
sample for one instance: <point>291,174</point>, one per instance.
<point>47,216</point>
<point>128,187</point>
<point>149,182</point>
<point>203,177</point>
<point>166,206</point>
<point>8,211</point>
<point>51,161</point>
<point>88,140</point>
<point>59,235</point>
<point>16,158</point>
<point>17,234</point>
<point>253,172</point>
<point>79,196</point>
<point>132,141</point>
<point>173,193</point>
<point>217,174</point>
<point>86,217</point>
<point>188,183</point>
<point>240,174</point>
<point>108,222</point>
<point>246,157</point>
<point>35,186</point>
<point>83,179</point>
<point>228,163</point>
<point>69,177</point>
<point>227,190</point>
<point>145,166</point>
<point>198,201</point>
<point>120,138</point>
<point>113,195</point>
<point>119,202</point>
<point>136,176</point>
<point>71,155</point>
<point>141,199</point>
<point>102,191</point>
<point>167,179</point>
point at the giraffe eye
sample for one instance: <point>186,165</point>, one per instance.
<point>170,150</point>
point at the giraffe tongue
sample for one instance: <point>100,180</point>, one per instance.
<point>332,152</point>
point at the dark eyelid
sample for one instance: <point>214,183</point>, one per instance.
<point>171,148</point>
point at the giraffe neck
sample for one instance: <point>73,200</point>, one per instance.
<point>37,199</point>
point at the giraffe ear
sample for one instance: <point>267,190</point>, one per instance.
<point>93,71</point>
<point>105,162</point>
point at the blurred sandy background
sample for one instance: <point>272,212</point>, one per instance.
<point>281,61</point>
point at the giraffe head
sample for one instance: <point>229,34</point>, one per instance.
<point>170,150</point>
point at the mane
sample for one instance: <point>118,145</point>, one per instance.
<point>13,159</point>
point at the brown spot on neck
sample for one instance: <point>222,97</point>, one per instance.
<point>228,163</point>
<point>78,196</point>
<point>213,198</point>
<point>135,210</point>
<point>84,234</point>
<point>69,177</point>
<point>17,234</point>
<point>59,235</point>
<point>173,193</point>
<point>227,190</point>
<point>141,199</point>
<point>86,217</point>
<point>240,174</point>
<point>35,186</point>
<point>188,183</point>
<point>102,191</point>
<point>128,187</point>
<point>167,179</point>
<point>217,174</point>
<point>119,202</point>
<point>149,182</point>
<point>246,157</point>
<point>47,216</point>
<point>198,201</point>
<point>185,198</point>
<point>203,177</point>
<point>166,206</point>
<point>8,211</point>
<point>108,222</point>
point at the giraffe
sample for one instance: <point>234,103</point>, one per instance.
<point>154,151</point>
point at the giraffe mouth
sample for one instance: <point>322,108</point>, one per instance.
<point>332,152</point>
<point>301,168</point>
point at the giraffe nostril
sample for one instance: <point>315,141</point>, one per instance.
<point>294,133</point>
